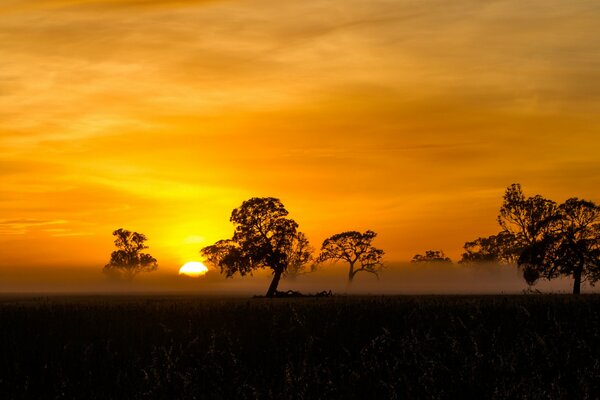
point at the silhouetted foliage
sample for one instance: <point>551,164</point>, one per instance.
<point>431,256</point>
<point>528,220</point>
<point>553,240</point>
<point>298,264</point>
<point>498,248</point>
<point>263,238</point>
<point>356,249</point>
<point>129,260</point>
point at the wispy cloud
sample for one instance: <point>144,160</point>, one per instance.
<point>165,115</point>
<point>23,226</point>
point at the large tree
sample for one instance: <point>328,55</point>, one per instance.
<point>129,260</point>
<point>571,249</point>
<point>356,249</point>
<point>528,220</point>
<point>263,238</point>
<point>553,240</point>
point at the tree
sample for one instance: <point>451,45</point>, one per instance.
<point>553,240</point>
<point>356,249</point>
<point>498,248</point>
<point>431,256</point>
<point>263,238</point>
<point>298,264</point>
<point>572,249</point>
<point>528,220</point>
<point>129,260</point>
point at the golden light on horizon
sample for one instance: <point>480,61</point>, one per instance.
<point>193,269</point>
<point>403,117</point>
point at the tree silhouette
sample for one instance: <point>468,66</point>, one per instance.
<point>431,256</point>
<point>129,260</point>
<point>263,238</point>
<point>531,222</point>
<point>571,249</point>
<point>528,220</point>
<point>553,240</point>
<point>356,249</point>
<point>498,248</point>
<point>298,265</point>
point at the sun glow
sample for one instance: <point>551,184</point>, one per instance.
<point>193,269</point>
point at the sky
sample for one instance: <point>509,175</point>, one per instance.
<point>406,117</point>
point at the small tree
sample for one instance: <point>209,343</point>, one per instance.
<point>263,238</point>
<point>356,249</point>
<point>298,264</point>
<point>129,260</point>
<point>431,256</point>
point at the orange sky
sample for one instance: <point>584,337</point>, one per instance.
<point>409,118</point>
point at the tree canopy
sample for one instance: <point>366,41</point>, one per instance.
<point>129,260</point>
<point>498,248</point>
<point>553,240</point>
<point>264,237</point>
<point>356,249</point>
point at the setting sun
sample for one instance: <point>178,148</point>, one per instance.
<point>194,269</point>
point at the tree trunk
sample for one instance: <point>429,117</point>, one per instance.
<point>274,282</point>
<point>577,280</point>
<point>129,275</point>
<point>351,274</point>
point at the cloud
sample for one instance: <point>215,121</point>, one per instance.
<point>359,114</point>
<point>27,5</point>
<point>24,225</point>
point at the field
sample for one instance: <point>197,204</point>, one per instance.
<point>178,347</point>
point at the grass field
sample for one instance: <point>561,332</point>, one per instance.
<point>529,346</point>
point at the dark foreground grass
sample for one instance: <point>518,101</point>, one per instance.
<point>533,347</point>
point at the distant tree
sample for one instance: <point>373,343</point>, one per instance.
<point>431,256</point>
<point>298,264</point>
<point>263,238</point>
<point>356,249</point>
<point>498,248</point>
<point>129,260</point>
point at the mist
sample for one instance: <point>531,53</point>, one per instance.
<point>397,278</point>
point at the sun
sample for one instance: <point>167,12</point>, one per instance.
<point>193,269</point>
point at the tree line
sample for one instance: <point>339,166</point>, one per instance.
<point>544,239</point>
<point>264,237</point>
